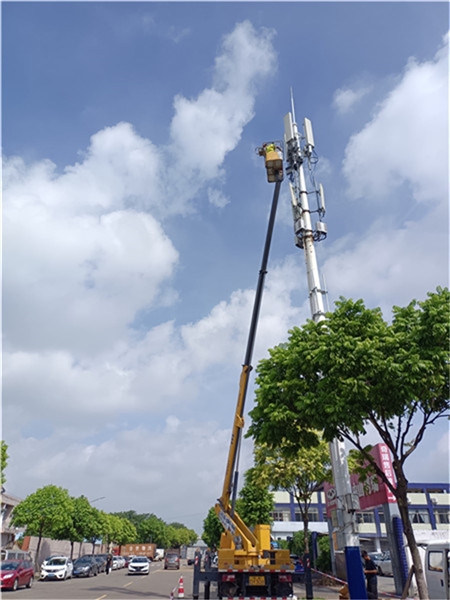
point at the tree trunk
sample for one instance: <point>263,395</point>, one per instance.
<point>305,531</point>
<point>71,550</point>
<point>402,501</point>
<point>38,562</point>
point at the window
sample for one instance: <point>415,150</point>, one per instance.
<point>281,515</point>
<point>435,561</point>
<point>313,515</point>
<point>365,517</point>
<point>381,516</point>
<point>442,515</point>
<point>420,516</point>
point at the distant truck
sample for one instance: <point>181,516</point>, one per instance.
<point>159,554</point>
<point>148,550</point>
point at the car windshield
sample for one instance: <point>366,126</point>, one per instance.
<point>56,562</point>
<point>10,565</point>
<point>82,560</point>
<point>139,559</point>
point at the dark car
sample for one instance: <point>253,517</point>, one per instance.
<point>85,566</point>
<point>100,559</point>
<point>15,573</point>
<point>171,561</point>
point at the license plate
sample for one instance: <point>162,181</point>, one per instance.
<point>256,580</point>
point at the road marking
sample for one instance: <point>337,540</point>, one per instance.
<point>101,597</point>
<point>127,584</point>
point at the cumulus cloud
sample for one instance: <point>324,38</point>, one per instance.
<point>399,161</point>
<point>344,99</point>
<point>85,254</point>
<point>163,453</point>
<point>407,139</point>
<point>206,128</point>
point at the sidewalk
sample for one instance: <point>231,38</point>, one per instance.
<point>386,590</point>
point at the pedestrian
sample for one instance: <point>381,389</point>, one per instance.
<point>371,572</point>
<point>108,563</point>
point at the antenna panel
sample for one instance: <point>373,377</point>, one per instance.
<point>288,127</point>
<point>321,198</point>
<point>308,132</point>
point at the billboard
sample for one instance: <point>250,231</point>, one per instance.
<point>371,492</point>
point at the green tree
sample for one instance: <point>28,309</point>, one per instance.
<point>153,529</point>
<point>323,562</point>
<point>96,527</point>
<point>299,471</point>
<point>353,370</point>
<point>132,516</point>
<point>255,502</point>
<point>45,513</point>
<point>128,533</point>
<point>212,529</point>
<point>3,463</point>
<point>75,530</point>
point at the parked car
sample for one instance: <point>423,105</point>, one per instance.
<point>57,567</point>
<point>126,560</point>
<point>139,565</point>
<point>85,566</point>
<point>385,564</point>
<point>100,559</point>
<point>171,561</point>
<point>15,573</point>
<point>122,562</point>
<point>382,561</point>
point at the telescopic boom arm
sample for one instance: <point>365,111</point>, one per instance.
<point>230,520</point>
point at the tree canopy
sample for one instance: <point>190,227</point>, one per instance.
<point>212,529</point>
<point>45,513</point>
<point>255,502</point>
<point>353,371</point>
<point>3,462</point>
<point>301,471</point>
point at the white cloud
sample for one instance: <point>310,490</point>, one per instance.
<point>181,456</point>
<point>205,129</point>
<point>407,139</point>
<point>344,99</point>
<point>217,198</point>
<point>399,159</point>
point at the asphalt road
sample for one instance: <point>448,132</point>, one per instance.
<point>159,584</point>
<point>118,585</point>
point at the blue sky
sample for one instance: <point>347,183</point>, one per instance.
<point>135,210</point>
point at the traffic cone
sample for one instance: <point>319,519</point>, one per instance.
<point>181,588</point>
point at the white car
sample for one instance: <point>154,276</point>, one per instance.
<point>57,567</point>
<point>121,562</point>
<point>139,565</point>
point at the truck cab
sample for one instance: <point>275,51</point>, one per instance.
<point>437,565</point>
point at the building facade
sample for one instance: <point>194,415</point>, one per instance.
<point>8,532</point>
<point>429,507</point>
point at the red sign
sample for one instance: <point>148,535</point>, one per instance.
<point>371,492</point>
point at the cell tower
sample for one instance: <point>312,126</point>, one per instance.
<point>298,150</point>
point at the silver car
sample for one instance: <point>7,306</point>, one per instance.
<point>382,561</point>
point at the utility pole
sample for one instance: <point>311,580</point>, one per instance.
<point>298,149</point>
